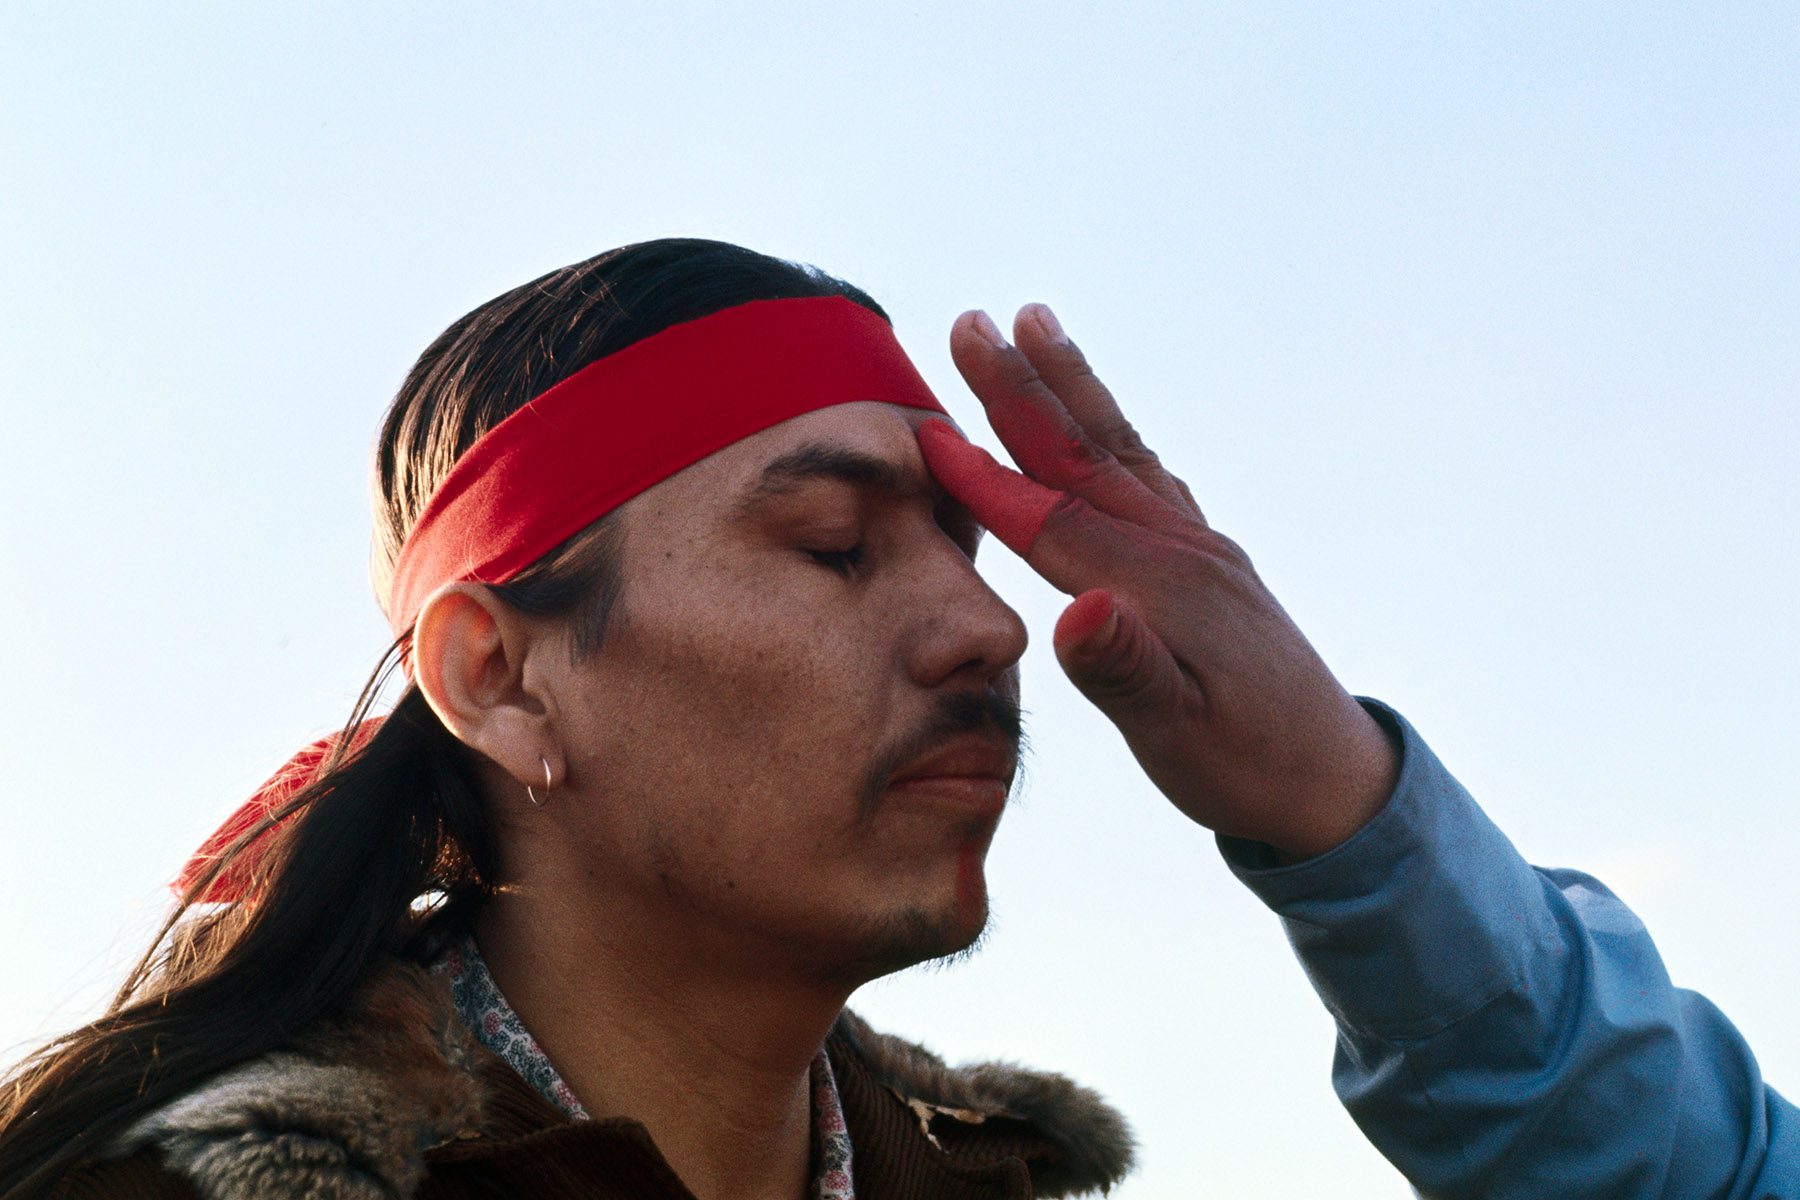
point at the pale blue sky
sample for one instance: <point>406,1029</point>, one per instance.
<point>1473,323</point>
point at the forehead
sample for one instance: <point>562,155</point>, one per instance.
<point>713,487</point>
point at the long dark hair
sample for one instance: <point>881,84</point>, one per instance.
<point>387,852</point>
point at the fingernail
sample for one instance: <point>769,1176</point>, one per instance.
<point>1109,632</point>
<point>1047,322</point>
<point>1089,625</point>
<point>990,332</point>
<point>1102,634</point>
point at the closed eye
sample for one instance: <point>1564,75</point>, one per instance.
<point>841,561</point>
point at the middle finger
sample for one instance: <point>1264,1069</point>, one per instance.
<point>1042,436</point>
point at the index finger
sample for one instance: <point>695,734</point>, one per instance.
<point>1064,538</point>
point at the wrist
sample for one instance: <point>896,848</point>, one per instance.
<point>1359,785</point>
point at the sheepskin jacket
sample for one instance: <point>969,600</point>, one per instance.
<point>394,1099</point>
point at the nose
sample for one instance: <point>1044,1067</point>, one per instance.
<point>963,630</point>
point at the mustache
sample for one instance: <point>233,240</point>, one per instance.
<point>993,714</point>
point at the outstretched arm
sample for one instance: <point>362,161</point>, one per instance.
<point>1504,1031</point>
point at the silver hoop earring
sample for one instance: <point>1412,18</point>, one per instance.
<point>535,798</point>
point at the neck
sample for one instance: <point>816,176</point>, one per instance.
<point>711,1051</point>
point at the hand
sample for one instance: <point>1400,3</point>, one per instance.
<point>1229,710</point>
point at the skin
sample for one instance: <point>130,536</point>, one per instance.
<point>723,855</point>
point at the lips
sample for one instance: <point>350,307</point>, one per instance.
<point>973,763</point>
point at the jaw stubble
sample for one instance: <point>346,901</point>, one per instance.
<point>943,932</point>
<point>906,937</point>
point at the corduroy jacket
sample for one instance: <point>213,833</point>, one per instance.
<point>393,1099</point>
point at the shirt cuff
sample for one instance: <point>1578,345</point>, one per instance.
<point>1424,916</point>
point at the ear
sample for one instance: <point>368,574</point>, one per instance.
<point>469,653</point>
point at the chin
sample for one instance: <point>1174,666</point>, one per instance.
<point>908,937</point>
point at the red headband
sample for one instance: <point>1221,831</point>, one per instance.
<point>606,433</point>
<point>633,419</point>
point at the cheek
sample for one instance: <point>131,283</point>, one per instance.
<point>757,718</point>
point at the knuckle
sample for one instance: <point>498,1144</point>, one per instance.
<point>1078,455</point>
<point>1128,446</point>
<point>1069,511</point>
<point>1218,546</point>
<point>1133,441</point>
<point>1076,527</point>
<point>1080,370</point>
<point>1083,450</point>
<point>1021,371</point>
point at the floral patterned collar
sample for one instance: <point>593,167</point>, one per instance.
<point>482,1007</point>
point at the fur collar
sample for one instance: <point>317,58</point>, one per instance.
<point>347,1110</point>
<point>342,1112</point>
<point>1093,1145</point>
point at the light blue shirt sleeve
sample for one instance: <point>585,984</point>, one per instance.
<point>1510,1032</point>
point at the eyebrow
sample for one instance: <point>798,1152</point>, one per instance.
<point>822,460</point>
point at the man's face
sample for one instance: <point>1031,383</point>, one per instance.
<point>801,728</point>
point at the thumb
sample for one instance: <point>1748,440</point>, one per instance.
<point>1115,659</point>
